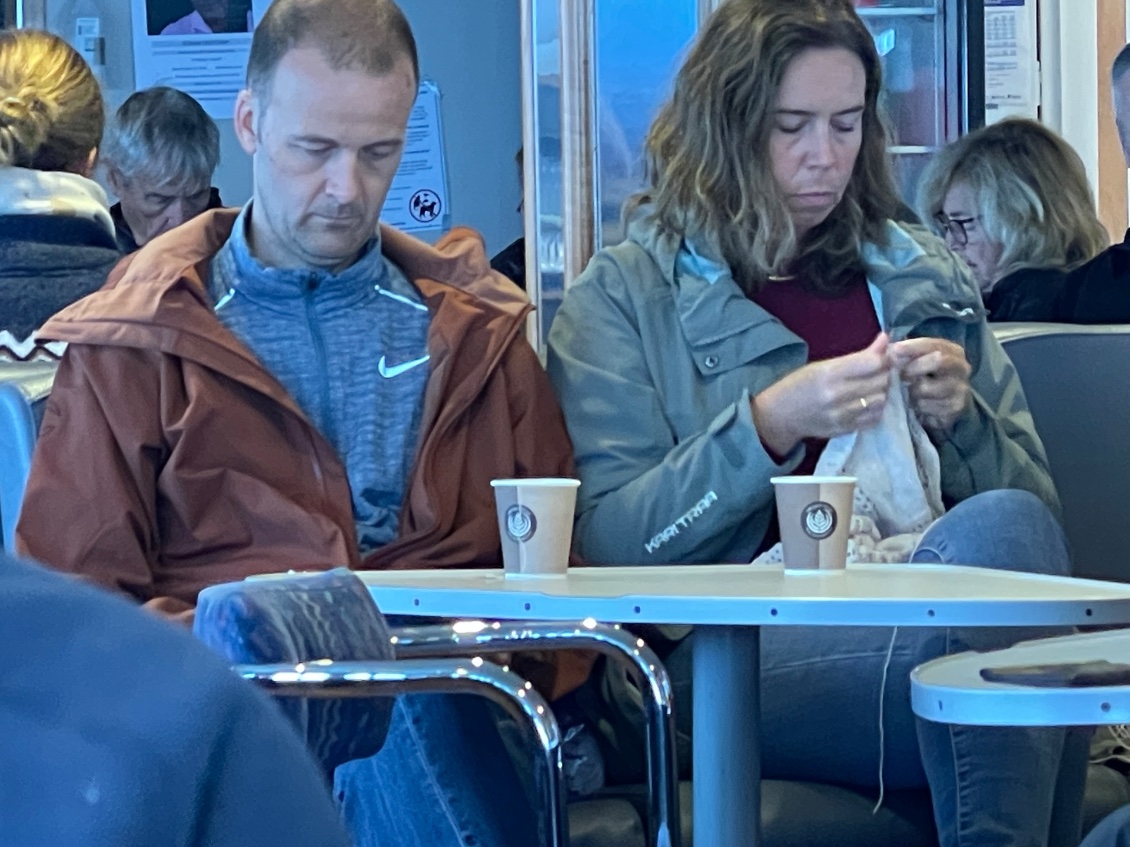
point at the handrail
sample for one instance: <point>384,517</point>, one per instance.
<point>576,22</point>
<point>705,10</point>
<point>531,152</point>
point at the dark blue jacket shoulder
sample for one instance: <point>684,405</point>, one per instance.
<point>116,728</point>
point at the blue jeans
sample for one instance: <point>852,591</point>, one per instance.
<point>1112,831</point>
<point>821,688</point>
<point>444,778</point>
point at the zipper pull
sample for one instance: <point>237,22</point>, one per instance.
<point>223,301</point>
<point>964,312</point>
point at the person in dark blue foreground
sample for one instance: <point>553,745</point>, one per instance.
<point>116,729</point>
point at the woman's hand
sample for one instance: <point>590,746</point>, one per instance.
<point>937,375</point>
<point>825,399</point>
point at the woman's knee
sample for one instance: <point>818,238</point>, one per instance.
<point>1011,503</point>
<point>1007,529</point>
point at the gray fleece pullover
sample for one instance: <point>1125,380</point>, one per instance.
<point>351,348</point>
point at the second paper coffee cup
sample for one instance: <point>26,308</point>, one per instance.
<point>535,521</point>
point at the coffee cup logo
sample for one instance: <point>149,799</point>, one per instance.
<point>520,523</point>
<point>818,520</point>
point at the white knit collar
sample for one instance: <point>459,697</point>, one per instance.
<point>24,191</point>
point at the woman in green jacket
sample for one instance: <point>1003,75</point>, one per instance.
<point>763,303</point>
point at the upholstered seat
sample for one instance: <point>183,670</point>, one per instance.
<point>1073,378</point>
<point>264,625</point>
<point>23,388</point>
<point>323,616</point>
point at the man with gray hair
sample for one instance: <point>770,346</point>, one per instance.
<point>160,154</point>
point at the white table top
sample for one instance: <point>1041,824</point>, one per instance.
<point>891,595</point>
<point>950,689</point>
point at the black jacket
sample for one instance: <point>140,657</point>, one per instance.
<point>1098,291</point>
<point>511,262</point>
<point>127,243</point>
<point>1027,294</point>
<point>47,262</point>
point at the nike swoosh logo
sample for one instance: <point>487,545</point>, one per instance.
<point>397,370</point>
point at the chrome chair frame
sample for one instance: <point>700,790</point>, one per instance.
<point>325,679</point>
<point>465,638</point>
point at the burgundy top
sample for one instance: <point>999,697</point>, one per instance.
<point>830,326</point>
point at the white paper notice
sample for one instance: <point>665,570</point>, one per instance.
<point>418,197</point>
<point>187,46</point>
<point>1011,69</point>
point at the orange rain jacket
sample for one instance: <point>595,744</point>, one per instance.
<point>169,459</point>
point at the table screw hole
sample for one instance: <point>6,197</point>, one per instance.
<point>527,605</point>
<point>416,602</point>
<point>1090,612</point>
<point>773,612</point>
<point>930,613</point>
<point>636,609</point>
<point>940,705</point>
<point>1105,707</point>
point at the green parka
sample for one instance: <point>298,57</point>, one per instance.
<point>655,364</point>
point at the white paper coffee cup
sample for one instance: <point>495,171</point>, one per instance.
<point>535,521</point>
<point>814,516</point>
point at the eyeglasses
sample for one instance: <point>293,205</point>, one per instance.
<point>955,228</point>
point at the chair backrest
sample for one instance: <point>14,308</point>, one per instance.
<point>304,618</point>
<point>17,440</point>
<point>1076,380</point>
<point>24,387</point>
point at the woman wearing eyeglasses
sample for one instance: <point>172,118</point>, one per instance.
<point>1013,200</point>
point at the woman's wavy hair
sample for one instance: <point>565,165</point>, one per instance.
<point>708,148</point>
<point>1031,191</point>
<point>51,109</point>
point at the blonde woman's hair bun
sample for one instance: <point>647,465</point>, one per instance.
<point>19,105</point>
<point>51,108</point>
<point>24,127</point>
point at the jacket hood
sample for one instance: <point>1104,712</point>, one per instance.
<point>910,270</point>
<point>459,260</point>
<point>711,305</point>
<point>157,298</point>
<point>663,247</point>
<point>150,297</point>
<point>918,276</point>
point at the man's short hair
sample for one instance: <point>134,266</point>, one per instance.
<point>364,35</point>
<point>163,135</point>
<point>1121,64</point>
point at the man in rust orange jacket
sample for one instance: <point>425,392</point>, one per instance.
<point>171,459</point>
<point>291,385</point>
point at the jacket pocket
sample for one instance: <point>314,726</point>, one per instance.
<point>741,348</point>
